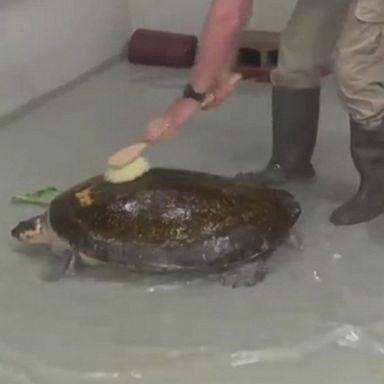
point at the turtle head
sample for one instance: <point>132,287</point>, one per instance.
<point>31,231</point>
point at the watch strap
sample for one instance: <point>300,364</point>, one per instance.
<point>190,93</point>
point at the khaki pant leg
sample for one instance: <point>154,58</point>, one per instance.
<point>359,65</point>
<point>308,42</point>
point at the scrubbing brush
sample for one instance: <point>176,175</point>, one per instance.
<point>127,164</point>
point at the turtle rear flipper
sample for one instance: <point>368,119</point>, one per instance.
<point>248,275</point>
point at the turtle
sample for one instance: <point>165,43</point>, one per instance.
<point>166,221</point>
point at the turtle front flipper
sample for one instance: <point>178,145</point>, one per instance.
<point>247,275</point>
<point>68,264</point>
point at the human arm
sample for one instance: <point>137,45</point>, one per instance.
<point>212,73</point>
<point>225,21</point>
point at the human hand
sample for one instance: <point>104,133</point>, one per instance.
<point>163,127</point>
<point>221,90</point>
<point>167,125</point>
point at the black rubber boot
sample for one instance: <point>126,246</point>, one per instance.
<point>295,115</point>
<point>367,150</point>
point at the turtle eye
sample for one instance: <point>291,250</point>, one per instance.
<point>27,235</point>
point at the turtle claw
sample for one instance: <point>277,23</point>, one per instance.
<point>247,275</point>
<point>67,265</point>
<point>51,275</point>
<point>295,241</point>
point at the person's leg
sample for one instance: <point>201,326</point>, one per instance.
<point>306,47</point>
<point>360,78</point>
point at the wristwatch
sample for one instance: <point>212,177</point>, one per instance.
<point>190,93</point>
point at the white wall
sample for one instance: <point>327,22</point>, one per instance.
<point>187,16</point>
<point>46,43</point>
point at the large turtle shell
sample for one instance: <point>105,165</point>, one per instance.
<point>173,219</point>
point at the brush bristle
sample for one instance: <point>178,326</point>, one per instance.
<point>128,173</point>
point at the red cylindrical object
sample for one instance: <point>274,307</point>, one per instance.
<point>162,48</point>
<point>262,75</point>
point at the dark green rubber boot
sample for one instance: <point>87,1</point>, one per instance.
<point>367,150</point>
<point>295,115</point>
